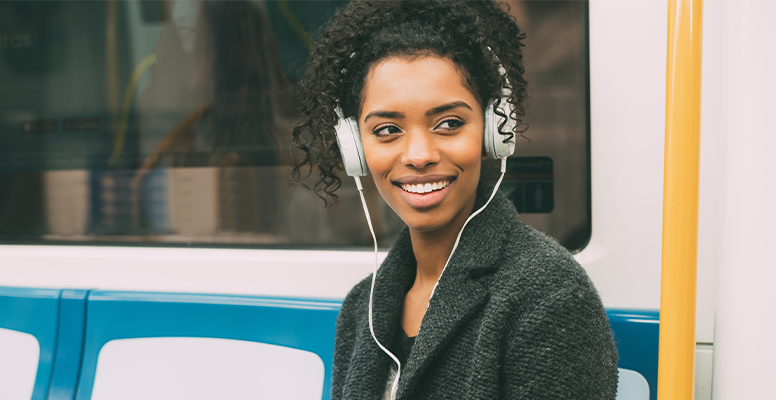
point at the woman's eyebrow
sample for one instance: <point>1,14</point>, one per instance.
<point>445,107</point>
<point>384,114</point>
<point>433,111</point>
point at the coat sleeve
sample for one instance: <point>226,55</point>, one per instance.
<point>562,349</point>
<point>345,338</point>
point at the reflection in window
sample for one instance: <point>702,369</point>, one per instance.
<point>168,122</point>
<point>216,96</point>
<point>556,63</point>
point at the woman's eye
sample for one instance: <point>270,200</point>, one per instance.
<point>450,124</point>
<point>386,130</point>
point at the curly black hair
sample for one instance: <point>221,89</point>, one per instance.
<point>478,36</point>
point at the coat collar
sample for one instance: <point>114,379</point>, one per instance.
<point>459,295</point>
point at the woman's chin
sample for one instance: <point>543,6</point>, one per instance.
<point>428,223</point>
<point>433,219</point>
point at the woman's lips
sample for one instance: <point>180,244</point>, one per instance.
<point>411,192</point>
<point>186,33</point>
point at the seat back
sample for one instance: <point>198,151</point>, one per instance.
<point>160,346</point>
<point>636,334</point>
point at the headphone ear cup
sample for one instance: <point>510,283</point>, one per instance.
<point>349,141</point>
<point>493,141</point>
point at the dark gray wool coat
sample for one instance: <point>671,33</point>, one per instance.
<point>514,317</point>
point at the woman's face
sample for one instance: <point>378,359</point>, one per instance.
<point>185,14</point>
<point>422,134</point>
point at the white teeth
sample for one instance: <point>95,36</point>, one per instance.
<point>425,188</point>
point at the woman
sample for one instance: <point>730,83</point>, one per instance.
<point>513,316</point>
<point>218,96</point>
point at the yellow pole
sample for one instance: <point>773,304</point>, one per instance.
<point>129,94</point>
<point>285,9</point>
<point>676,365</point>
<point>111,62</point>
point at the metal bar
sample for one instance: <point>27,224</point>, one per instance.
<point>111,62</point>
<point>676,362</point>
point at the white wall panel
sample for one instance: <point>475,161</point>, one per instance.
<point>712,152</point>
<point>627,89</point>
<point>743,348</point>
<point>285,273</point>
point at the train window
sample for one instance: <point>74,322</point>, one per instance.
<point>167,123</point>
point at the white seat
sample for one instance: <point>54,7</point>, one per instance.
<point>19,354</point>
<point>632,385</point>
<point>163,368</point>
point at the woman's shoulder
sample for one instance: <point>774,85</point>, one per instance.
<point>556,324</point>
<point>521,250</point>
<point>535,264</point>
<point>357,296</point>
<point>528,248</point>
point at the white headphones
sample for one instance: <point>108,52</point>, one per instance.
<point>349,138</point>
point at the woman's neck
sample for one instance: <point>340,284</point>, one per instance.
<point>432,249</point>
<point>431,253</point>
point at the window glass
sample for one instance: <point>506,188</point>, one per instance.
<point>556,62</point>
<point>167,122</point>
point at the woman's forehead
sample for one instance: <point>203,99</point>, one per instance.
<point>415,81</point>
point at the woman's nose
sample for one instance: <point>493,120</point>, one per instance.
<point>420,150</point>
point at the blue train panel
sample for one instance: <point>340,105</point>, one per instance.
<point>72,320</point>
<point>90,341</point>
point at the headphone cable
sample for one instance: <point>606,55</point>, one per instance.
<point>395,385</point>
<point>474,214</point>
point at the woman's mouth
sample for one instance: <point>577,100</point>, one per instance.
<point>427,194</point>
<point>422,188</point>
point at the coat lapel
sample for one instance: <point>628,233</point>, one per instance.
<point>460,294</point>
<point>443,318</point>
<point>370,365</point>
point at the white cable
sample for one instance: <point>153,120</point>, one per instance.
<point>372,291</point>
<point>395,384</point>
<point>474,214</point>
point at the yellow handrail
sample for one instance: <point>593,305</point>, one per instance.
<point>126,107</point>
<point>111,63</point>
<point>285,9</point>
<point>676,364</point>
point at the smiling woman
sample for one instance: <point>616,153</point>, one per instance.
<point>488,310</point>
